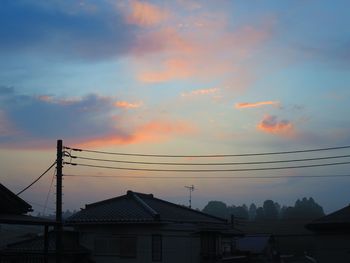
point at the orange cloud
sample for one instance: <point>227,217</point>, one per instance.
<point>128,105</point>
<point>270,124</point>
<point>200,92</point>
<point>145,14</point>
<point>45,98</point>
<point>174,68</point>
<point>244,105</point>
<point>205,49</point>
<point>154,131</point>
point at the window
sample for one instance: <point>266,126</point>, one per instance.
<point>123,246</point>
<point>107,245</point>
<point>128,246</point>
<point>156,248</point>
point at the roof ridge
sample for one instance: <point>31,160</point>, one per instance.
<point>192,210</point>
<point>104,201</point>
<point>139,200</point>
<point>16,197</point>
<point>330,215</point>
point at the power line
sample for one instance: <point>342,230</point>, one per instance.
<point>211,155</point>
<point>224,163</point>
<point>37,179</point>
<point>209,177</point>
<point>49,192</point>
<point>207,170</point>
<point>41,205</point>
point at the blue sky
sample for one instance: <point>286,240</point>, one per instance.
<point>183,77</point>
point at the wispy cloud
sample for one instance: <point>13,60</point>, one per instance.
<point>199,45</point>
<point>6,127</point>
<point>90,120</point>
<point>245,105</point>
<point>199,92</point>
<point>271,124</point>
<point>128,105</point>
<point>151,132</point>
<point>145,14</point>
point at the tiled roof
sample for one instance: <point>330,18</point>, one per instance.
<point>338,219</point>
<point>10,203</point>
<point>138,207</point>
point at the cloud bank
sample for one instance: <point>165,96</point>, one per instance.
<point>29,121</point>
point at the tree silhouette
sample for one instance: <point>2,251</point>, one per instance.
<point>252,211</point>
<point>216,208</point>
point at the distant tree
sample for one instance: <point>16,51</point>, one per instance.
<point>260,214</point>
<point>278,207</point>
<point>241,211</point>
<point>283,211</point>
<point>216,208</point>
<point>270,210</point>
<point>305,209</point>
<point>252,212</point>
<point>287,212</point>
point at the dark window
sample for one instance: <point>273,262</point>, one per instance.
<point>128,247</point>
<point>156,248</point>
<point>107,245</point>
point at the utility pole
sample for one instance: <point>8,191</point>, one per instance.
<point>191,189</point>
<point>59,227</point>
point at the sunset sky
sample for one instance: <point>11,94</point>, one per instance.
<point>176,77</point>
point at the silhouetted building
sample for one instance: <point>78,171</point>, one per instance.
<point>32,250</point>
<point>332,237</point>
<point>37,249</point>
<point>138,227</point>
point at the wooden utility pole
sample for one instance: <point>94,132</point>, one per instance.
<point>59,227</point>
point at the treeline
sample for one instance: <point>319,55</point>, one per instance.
<point>65,214</point>
<point>305,208</point>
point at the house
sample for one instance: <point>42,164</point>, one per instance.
<point>336,222</point>
<point>290,237</point>
<point>11,204</point>
<point>31,248</point>
<point>331,237</point>
<point>139,227</point>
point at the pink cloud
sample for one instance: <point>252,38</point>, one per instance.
<point>45,98</point>
<point>271,124</point>
<point>128,105</point>
<point>244,105</point>
<point>145,14</point>
<point>151,132</point>
<point>61,101</point>
<point>197,92</point>
<point>175,68</point>
<point>200,46</point>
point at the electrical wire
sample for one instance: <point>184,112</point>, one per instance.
<point>212,155</point>
<point>41,205</point>
<point>225,163</point>
<point>48,193</point>
<point>208,177</point>
<point>37,179</point>
<point>208,170</point>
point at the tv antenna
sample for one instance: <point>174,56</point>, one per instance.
<point>190,189</point>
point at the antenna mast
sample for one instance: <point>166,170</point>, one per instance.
<point>191,189</point>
